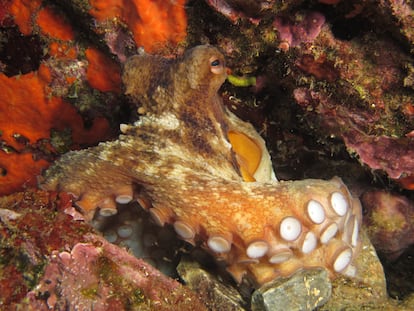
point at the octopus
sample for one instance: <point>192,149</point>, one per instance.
<point>194,165</point>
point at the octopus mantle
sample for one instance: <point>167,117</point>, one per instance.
<point>193,164</point>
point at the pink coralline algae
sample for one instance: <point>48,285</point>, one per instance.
<point>390,222</point>
<point>238,9</point>
<point>51,259</point>
<point>302,28</point>
<point>393,155</point>
<point>97,275</point>
<point>224,8</point>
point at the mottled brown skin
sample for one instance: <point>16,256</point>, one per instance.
<point>188,83</point>
<point>183,88</point>
<point>176,160</point>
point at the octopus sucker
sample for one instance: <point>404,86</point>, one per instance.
<point>329,232</point>
<point>257,249</point>
<point>290,228</point>
<point>219,244</point>
<point>184,230</point>
<point>309,242</point>
<point>124,195</point>
<point>280,255</point>
<point>315,212</point>
<point>196,166</point>
<point>161,215</point>
<point>108,207</point>
<point>339,203</point>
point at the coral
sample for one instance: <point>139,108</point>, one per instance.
<point>102,73</point>
<point>54,25</point>
<point>154,24</point>
<point>402,15</point>
<point>252,10</point>
<point>51,103</point>
<point>23,138</point>
<point>5,19</point>
<point>19,170</point>
<point>224,8</point>
<point>390,221</point>
<point>361,97</point>
<point>184,159</point>
<point>22,12</point>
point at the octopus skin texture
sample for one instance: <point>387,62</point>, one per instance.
<point>193,164</point>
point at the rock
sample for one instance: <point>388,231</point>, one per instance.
<point>49,261</point>
<point>215,294</point>
<point>367,290</point>
<point>310,289</point>
<point>389,218</point>
<point>305,290</point>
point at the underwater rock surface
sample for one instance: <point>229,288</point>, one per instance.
<point>50,260</point>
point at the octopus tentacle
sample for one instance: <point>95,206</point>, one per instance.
<point>193,164</point>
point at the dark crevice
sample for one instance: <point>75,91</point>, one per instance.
<point>19,54</point>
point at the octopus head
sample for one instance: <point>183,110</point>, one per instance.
<point>205,67</point>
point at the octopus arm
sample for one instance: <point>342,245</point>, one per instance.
<point>263,230</point>
<point>267,230</point>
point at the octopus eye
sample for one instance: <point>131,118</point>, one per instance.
<point>216,66</point>
<point>215,63</point>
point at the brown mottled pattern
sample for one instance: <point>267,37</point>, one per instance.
<point>176,160</point>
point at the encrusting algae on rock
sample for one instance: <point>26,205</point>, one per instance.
<point>60,67</point>
<point>50,260</point>
<point>37,118</point>
<point>26,137</point>
<point>185,163</point>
